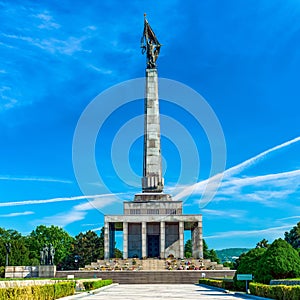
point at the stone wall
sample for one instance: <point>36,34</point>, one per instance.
<point>135,240</point>
<point>149,277</point>
<point>172,246</point>
<point>30,271</point>
<point>21,271</point>
<point>21,283</point>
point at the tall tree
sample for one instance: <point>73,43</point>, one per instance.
<point>18,252</point>
<point>279,261</point>
<point>262,244</point>
<point>86,248</point>
<point>188,249</point>
<point>210,253</point>
<point>207,253</point>
<point>247,264</point>
<point>293,236</point>
<point>54,235</point>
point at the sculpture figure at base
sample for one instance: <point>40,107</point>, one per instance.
<point>47,255</point>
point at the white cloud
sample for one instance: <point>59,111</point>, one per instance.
<point>47,21</point>
<point>224,213</point>
<point>265,188</point>
<point>97,203</point>
<point>103,71</point>
<point>78,212</point>
<point>53,200</point>
<point>42,179</point>
<point>62,219</point>
<point>269,233</point>
<point>17,214</point>
<point>53,45</point>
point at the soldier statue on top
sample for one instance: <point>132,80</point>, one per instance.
<point>150,45</point>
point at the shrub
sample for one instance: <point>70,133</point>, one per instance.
<point>220,283</point>
<point>281,292</point>
<point>96,284</point>
<point>2,271</point>
<point>248,265</point>
<point>211,282</point>
<point>39,292</point>
<point>278,262</point>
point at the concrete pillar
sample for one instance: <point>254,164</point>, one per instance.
<point>152,171</point>
<point>106,240</point>
<point>162,239</point>
<point>200,240</point>
<point>197,240</point>
<point>125,240</point>
<point>144,239</point>
<point>181,239</point>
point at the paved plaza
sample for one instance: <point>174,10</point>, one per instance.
<point>157,291</point>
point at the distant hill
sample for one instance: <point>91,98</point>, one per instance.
<point>230,254</point>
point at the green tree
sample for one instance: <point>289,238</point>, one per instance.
<point>210,253</point>
<point>118,253</point>
<point>247,264</point>
<point>262,244</point>
<point>279,261</point>
<point>188,249</point>
<point>43,235</point>
<point>229,264</point>
<point>205,250</point>
<point>213,256</point>
<point>86,248</point>
<point>293,236</point>
<point>19,254</point>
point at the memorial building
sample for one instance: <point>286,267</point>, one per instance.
<point>153,224</point>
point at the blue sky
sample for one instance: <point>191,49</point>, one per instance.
<point>242,57</point>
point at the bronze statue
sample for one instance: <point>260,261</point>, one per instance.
<point>47,255</point>
<point>150,45</point>
<point>51,255</point>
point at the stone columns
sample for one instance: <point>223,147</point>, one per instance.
<point>197,242</point>
<point>181,239</point>
<point>125,240</point>
<point>144,239</point>
<point>106,240</point>
<point>162,239</point>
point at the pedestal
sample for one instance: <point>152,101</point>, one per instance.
<point>47,271</point>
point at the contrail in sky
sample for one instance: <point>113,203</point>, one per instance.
<point>30,202</point>
<point>233,170</point>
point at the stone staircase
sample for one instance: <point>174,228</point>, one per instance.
<point>153,264</point>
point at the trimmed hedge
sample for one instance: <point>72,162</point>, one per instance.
<point>96,284</point>
<point>220,283</point>
<point>38,292</point>
<point>281,292</point>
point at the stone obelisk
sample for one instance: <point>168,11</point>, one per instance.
<point>152,180</point>
<point>153,224</point>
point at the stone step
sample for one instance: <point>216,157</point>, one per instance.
<point>150,277</point>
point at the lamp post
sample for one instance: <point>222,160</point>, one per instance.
<point>8,249</point>
<point>76,261</point>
